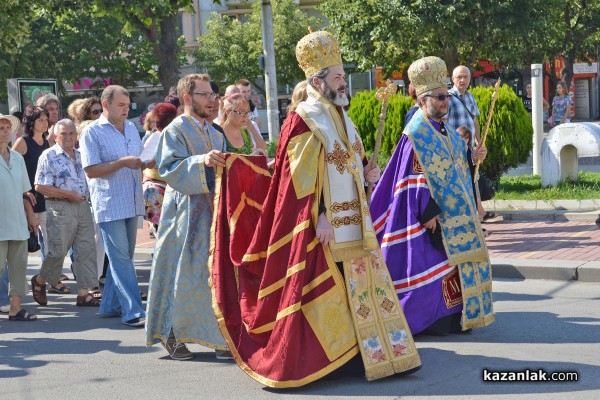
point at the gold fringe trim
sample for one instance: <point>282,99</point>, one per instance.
<point>407,362</point>
<point>379,371</point>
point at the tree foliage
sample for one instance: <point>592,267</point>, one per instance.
<point>156,22</point>
<point>74,44</point>
<point>573,33</point>
<point>364,112</point>
<point>230,49</point>
<point>392,33</point>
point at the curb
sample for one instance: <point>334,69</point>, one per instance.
<point>549,215</point>
<point>557,270</point>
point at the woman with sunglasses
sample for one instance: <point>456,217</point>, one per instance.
<point>240,134</point>
<point>91,108</point>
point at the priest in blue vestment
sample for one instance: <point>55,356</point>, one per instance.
<point>426,221</point>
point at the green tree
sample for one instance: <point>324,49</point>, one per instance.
<point>389,33</point>
<point>74,44</point>
<point>230,49</point>
<point>573,33</point>
<point>156,22</point>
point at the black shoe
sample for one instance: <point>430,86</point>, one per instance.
<point>138,322</point>
<point>433,332</point>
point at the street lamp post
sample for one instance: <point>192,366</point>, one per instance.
<point>270,71</point>
<point>537,115</point>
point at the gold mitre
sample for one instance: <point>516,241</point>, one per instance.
<point>317,51</point>
<point>427,73</point>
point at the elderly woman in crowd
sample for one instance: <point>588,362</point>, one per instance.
<point>16,215</point>
<point>154,185</point>
<point>240,134</point>
<point>75,111</point>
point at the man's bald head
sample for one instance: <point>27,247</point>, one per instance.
<point>461,77</point>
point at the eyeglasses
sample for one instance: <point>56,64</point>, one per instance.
<point>209,95</point>
<point>96,112</point>
<point>242,113</point>
<point>440,97</point>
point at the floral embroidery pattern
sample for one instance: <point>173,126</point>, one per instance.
<point>398,340</point>
<point>351,220</point>
<point>373,350</point>
<point>345,206</point>
<point>357,146</point>
<point>358,266</point>
<point>417,168</point>
<point>339,157</point>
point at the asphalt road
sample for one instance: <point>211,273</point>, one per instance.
<point>72,353</point>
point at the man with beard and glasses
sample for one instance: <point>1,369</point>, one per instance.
<point>426,219</point>
<point>179,300</point>
<point>300,286</point>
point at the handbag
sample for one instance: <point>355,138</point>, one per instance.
<point>486,188</point>
<point>32,243</point>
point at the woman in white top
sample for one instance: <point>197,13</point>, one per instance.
<point>13,218</point>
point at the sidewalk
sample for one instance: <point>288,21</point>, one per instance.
<point>527,244</point>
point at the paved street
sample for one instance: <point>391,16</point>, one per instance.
<point>71,352</point>
<point>552,325</point>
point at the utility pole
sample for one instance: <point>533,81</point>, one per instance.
<point>270,71</point>
<point>537,105</point>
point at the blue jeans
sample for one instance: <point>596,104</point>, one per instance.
<point>121,291</point>
<point>4,297</point>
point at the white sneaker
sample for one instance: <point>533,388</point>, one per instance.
<point>5,309</point>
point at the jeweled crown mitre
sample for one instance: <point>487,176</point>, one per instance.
<point>317,51</point>
<point>427,73</point>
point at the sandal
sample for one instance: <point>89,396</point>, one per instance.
<point>39,292</point>
<point>64,277</point>
<point>59,289</point>
<point>22,315</point>
<point>88,300</point>
<point>96,293</point>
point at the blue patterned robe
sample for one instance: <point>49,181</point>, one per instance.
<point>180,296</point>
<point>429,166</point>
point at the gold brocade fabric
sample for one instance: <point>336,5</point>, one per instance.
<point>383,335</point>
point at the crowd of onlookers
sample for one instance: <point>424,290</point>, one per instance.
<point>50,198</point>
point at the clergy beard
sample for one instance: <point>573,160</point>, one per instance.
<point>434,112</point>
<point>339,99</point>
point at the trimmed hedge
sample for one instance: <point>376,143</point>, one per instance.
<point>509,140</point>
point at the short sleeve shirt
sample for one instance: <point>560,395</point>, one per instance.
<point>57,168</point>
<point>458,114</point>
<point>118,195</point>
<point>14,181</point>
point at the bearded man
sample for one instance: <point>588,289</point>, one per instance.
<point>300,286</point>
<point>179,301</point>
<point>426,219</point>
